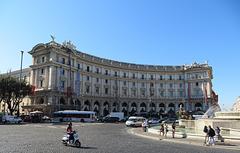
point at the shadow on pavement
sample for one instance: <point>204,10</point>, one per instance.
<point>225,144</point>
<point>85,147</point>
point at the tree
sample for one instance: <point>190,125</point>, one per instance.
<point>12,92</point>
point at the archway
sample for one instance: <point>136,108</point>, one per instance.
<point>124,108</point>
<point>198,106</point>
<point>86,105</point>
<point>41,101</point>
<point>133,109</point>
<point>105,108</point>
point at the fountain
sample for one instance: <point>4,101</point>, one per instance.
<point>228,121</point>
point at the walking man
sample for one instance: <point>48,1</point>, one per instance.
<point>173,129</point>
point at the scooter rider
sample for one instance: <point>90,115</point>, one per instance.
<point>70,132</point>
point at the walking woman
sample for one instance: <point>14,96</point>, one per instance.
<point>162,129</point>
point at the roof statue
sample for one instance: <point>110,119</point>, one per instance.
<point>69,45</point>
<point>53,38</point>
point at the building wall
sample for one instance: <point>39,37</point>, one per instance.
<point>102,85</point>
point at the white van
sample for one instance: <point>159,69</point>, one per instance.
<point>135,121</point>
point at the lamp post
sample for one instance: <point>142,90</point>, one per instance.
<point>18,113</point>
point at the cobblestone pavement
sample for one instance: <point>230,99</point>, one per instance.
<point>95,138</point>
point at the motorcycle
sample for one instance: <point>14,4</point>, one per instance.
<point>75,142</point>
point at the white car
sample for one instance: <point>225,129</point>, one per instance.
<point>135,121</point>
<point>11,119</point>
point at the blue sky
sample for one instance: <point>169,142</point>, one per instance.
<point>170,32</point>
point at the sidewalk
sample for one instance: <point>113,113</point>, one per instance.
<point>190,140</point>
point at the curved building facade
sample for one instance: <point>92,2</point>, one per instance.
<point>65,78</point>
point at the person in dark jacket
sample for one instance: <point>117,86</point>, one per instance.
<point>205,130</point>
<point>211,134</point>
<point>173,129</point>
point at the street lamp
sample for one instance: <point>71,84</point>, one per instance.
<point>18,113</point>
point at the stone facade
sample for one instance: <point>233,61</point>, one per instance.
<point>65,78</point>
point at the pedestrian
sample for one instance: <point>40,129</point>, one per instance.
<point>211,134</point>
<point>173,129</point>
<point>162,129</point>
<point>166,130</point>
<point>145,125</point>
<point>218,133</point>
<point>205,130</point>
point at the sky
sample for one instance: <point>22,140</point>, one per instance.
<point>159,32</point>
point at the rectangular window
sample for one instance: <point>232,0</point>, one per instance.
<point>133,76</point>
<point>41,83</point>
<point>125,92</point>
<point>88,68</point>
<point>106,72</point>
<point>42,71</point>
<point>124,75</point>
<point>170,85</point>
<point>88,78</point>
<point>161,77</point>
<point>115,74</point>
<point>161,85</point>
<point>134,84</point>
<point>180,77</point>
<point>43,59</point>
<point>63,72</point>
<point>151,84</point>
<point>97,90</point>
<point>162,93</point>
<point>97,79</point>
<point>181,93</point>
<point>180,85</point>
<point>151,77</point>
<point>133,92</point>
<point>97,70</point>
<point>142,76</point>
<point>143,84</point>
<point>106,81</point>
<point>106,90</point>
<point>87,89</point>
<point>170,77</point>
<point>62,85</point>
<point>63,60</point>
<point>124,83</point>
<point>78,66</point>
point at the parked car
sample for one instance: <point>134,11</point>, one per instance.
<point>11,119</point>
<point>135,121</point>
<point>110,119</point>
<point>169,120</point>
<point>154,121</point>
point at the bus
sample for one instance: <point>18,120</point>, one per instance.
<point>74,116</point>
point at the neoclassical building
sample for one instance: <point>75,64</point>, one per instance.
<point>65,78</point>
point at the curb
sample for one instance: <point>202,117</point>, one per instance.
<point>131,131</point>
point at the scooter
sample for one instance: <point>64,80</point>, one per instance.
<point>74,143</point>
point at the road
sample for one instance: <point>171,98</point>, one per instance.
<point>95,138</point>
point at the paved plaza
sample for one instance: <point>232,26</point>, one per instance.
<point>95,138</point>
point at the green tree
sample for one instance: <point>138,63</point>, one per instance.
<point>12,92</point>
